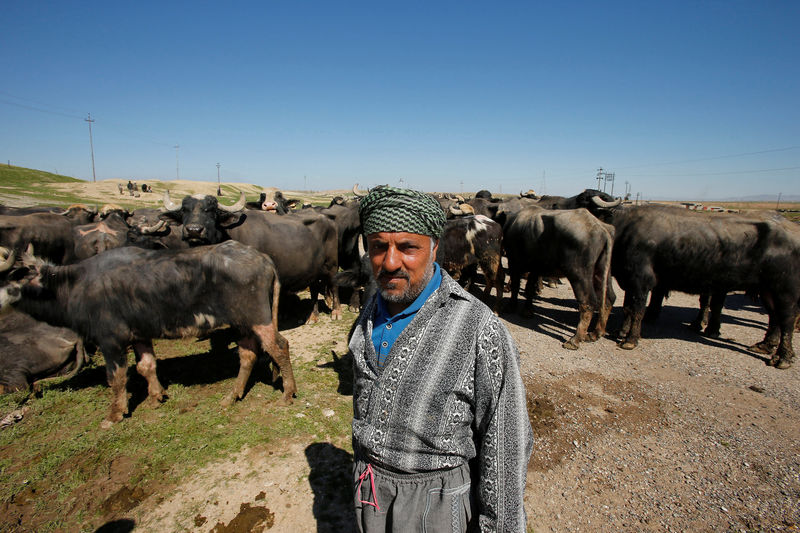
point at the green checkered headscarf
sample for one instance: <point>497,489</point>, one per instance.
<point>392,209</point>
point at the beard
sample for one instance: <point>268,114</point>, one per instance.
<point>411,292</point>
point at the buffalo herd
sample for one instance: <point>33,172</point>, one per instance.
<point>79,279</point>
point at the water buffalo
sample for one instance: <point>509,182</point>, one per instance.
<point>128,296</point>
<point>469,242</point>
<point>572,244</point>
<point>303,245</point>
<point>697,252</point>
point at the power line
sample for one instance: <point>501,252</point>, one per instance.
<point>24,106</point>
<point>91,144</point>
<point>730,156</point>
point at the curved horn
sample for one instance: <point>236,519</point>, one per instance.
<point>153,228</point>
<point>358,193</point>
<point>456,211</point>
<point>169,205</point>
<point>238,206</point>
<point>603,203</point>
<point>9,260</point>
<point>460,198</point>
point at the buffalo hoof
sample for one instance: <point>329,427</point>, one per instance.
<point>313,319</point>
<point>593,336</point>
<point>156,401</point>
<point>228,400</point>
<point>783,363</point>
<point>336,314</point>
<point>570,345</point>
<point>628,345</point>
<point>110,420</point>
<point>762,348</point>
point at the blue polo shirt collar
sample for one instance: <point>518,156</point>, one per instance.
<point>386,329</point>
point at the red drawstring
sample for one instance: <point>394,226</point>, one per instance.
<point>368,472</point>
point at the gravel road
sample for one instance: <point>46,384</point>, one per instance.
<point>684,433</point>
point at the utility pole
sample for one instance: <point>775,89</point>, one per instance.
<point>91,145</point>
<point>779,201</point>
<point>219,190</point>
<point>599,177</point>
<point>177,167</point>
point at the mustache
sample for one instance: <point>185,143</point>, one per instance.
<point>397,273</point>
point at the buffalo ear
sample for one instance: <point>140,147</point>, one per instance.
<point>227,219</point>
<point>176,216</point>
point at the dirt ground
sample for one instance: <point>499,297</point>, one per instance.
<point>685,433</point>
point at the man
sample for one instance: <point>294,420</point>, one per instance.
<point>441,434</point>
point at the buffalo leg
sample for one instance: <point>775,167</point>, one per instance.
<point>785,315</point>
<point>714,314</point>
<point>634,311</point>
<point>513,282</point>
<point>701,320</point>
<point>772,337</point>
<point>313,318</point>
<point>336,308</point>
<point>277,347</point>
<point>146,366</point>
<point>657,296</point>
<point>604,312</point>
<point>247,358</point>
<point>493,272</point>
<point>582,289</point>
<point>117,375</point>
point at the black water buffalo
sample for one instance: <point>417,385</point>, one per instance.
<point>149,230</point>
<point>128,296</point>
<point>77,214</point>
<point>278,204</point>
<point>571,244</point>
<point>49,233</point>
<point>469,242</point>
<point>97,237</point>
<point>302,244</point>
<point>587,199</point>
<point>33,351</point>
<point>696,253</point>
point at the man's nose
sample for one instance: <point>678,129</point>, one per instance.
<point>392,260</point>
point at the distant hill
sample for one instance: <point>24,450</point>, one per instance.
<point>23,187</point>
<point>764,198</point>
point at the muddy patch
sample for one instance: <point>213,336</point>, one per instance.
<point>249,520</point>
<point>578,408</point>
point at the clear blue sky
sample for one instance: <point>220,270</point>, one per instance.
<point>680,99</point>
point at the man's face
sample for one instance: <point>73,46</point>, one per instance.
<point>402,264</point>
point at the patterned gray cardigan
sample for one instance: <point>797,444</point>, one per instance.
<point>450,391</point>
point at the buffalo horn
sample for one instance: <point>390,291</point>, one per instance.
<point>238,206</point>
<point>169,205</point>
<point>9,255</point>
<point>607,205</point>
<point>153,228</point>
<point>460,198</point>
<point>358,193</point>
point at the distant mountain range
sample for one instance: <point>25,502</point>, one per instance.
<point>787,198</point>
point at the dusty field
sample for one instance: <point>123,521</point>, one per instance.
<point>684,433</point>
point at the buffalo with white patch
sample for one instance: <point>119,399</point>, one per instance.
<point>469,242</point>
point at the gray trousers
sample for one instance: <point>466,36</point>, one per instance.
<point>433,502</point>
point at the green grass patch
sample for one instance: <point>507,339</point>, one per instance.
<point>36,184</point>
<point>58,451</point>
